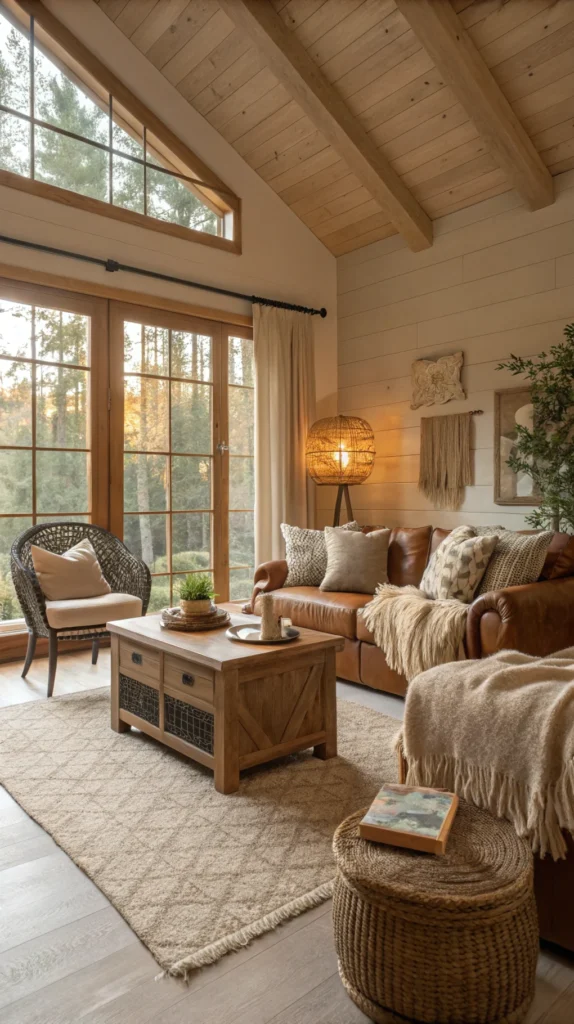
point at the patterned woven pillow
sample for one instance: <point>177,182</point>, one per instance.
<point>519,558</point>
<point>432,573</point>
<point>306,554</point>
<point>458,565</point>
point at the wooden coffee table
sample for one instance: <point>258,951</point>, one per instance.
<point>227,705</point>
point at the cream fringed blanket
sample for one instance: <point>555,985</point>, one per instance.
<point>500,733</point>
<point>415,632</point>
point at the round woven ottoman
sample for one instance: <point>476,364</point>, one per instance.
<point>437,940</point>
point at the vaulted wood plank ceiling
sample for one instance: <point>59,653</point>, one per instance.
<point>371,56</point>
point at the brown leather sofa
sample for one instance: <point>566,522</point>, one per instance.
<point>537,618</point>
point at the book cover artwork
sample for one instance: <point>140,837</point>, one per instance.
<point>410,816</point>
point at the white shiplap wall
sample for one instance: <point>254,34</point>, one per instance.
<point>498,279</point>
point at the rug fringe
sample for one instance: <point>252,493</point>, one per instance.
<point>237,940</point>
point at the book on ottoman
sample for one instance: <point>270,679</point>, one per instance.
<point>410,816</point>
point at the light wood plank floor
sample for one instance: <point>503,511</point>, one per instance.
<point>66,956</point>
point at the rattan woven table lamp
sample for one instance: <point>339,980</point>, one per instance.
<point>340,450</point>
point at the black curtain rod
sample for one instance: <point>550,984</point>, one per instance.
<point>112,266</point>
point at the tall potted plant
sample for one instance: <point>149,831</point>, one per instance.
<point>546,452</point>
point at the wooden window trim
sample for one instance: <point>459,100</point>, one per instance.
<point>82,59</point>
<point>79,202</point>
<point>239,321</point>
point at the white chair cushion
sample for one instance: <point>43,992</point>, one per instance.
<point>92,611</point>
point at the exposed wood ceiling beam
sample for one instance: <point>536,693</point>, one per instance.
<point>294,68</point>
<point>440,31</point>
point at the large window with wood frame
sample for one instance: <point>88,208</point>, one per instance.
<point>136,419</point>
<point>66,132</point>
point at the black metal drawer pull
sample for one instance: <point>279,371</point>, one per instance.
<point>187,679</point>
<point>137,658</point>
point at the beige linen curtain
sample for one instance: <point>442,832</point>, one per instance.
<point>284,411</point>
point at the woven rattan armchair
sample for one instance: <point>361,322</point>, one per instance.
<point>125,574</point>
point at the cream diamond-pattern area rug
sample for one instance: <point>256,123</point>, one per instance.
<point>195,873</point>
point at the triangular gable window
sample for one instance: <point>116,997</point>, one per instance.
<point>67,125</point>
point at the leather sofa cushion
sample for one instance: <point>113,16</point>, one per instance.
<point>326,611</point>
<point>376,673</point>
<point>348,662</point>
<point>363,633</point>
<point>559,560</point>
<point>92,611</point>
<point>408,553</point>
<point>438,535</point>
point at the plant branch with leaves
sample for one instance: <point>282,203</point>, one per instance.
<point>546,452</point>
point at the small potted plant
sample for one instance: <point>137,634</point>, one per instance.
<point>196,594</point>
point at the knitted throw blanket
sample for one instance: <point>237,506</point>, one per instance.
<point>415,632</point>
<point>500,733</point>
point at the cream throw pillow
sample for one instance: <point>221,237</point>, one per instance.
<point>458,565</point>
<point>518,559</point>
<point>356,562</point>
<point>75,574</point>
<point>306,554</point>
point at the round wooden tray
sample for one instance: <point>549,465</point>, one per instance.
<point>173,618</point>
<point>250,634</point>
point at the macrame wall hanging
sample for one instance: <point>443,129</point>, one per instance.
<point>445,464</point>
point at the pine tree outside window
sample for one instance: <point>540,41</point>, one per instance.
<point>66,131</point>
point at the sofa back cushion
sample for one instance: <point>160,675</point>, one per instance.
<point>408,553</point>
<point>559,560</point>
<point>438,535</point>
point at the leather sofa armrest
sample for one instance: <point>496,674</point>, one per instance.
<point>268,576</point>
<point>537,618</point>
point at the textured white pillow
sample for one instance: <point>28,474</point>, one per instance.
<point>306,554</point>
<point>75,574</point>
<point>458,565</point>
<point>518,559</point>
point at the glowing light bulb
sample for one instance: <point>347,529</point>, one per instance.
<point>341,457</point>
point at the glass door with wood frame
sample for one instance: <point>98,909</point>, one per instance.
<point>171,448</point>
<point>53,417</point>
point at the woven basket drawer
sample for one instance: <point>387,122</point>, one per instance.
<point>139,699</point>
<point>188,723</point>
